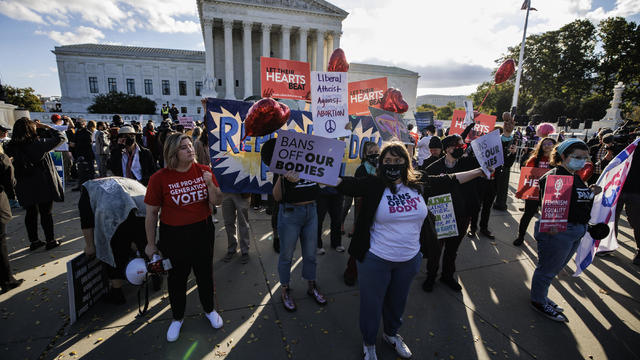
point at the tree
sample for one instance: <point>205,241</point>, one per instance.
<point>498,100</point>
<point>594,107</point>
<point>24,98</point>
<point>551,109</point>
<point>121,103</point>
<point>427,107</point>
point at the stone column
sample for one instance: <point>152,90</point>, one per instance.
<point>266,40</point>
<point>336,39</point>
<point>246,43</point>
<point>286,42</point>
<point>320,51</point>
<point>302,44</point>
<point>209,82</point>
<point>229,82</point>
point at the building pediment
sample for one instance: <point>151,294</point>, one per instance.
<point>311,6</point>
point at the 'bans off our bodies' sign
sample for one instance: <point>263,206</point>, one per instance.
<point>284,79</point>
<point>329,104</point>
<point>555,204</point>
<point>314,158</point>
<point>488,151</point>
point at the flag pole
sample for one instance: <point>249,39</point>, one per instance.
<point>516,89</point>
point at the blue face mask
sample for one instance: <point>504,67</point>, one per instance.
<point>506,139</point>
<point>576,164</point>
<point>371,170</point>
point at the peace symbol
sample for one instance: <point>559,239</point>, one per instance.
<point>330,126</point>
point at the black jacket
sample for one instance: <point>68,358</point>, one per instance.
<point>371,189</point>
<point>147,164</point>
<point>7,182</point>
<point>84,144</point>
<point>37,178</point>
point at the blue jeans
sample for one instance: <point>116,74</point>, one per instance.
<point>554,252</point>
<point>384,288</point>
<point>297,221</point>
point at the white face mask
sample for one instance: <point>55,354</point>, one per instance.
<point>576,164</point>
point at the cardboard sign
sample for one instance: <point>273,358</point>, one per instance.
<point>186,121</point>
<point>364,94</point>
<point>329,104</point>
<point>314,158</point>
<point>555,204</point>
<point>488,151</point>
<point>528,187</point>
<point>484,124</point>
<point>284,79</point>
<point>442,207</point>
<point>88,282</point>
<point>391,126</point>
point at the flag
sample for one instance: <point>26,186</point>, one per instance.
<point>604,207</point>
<point>526,4</point>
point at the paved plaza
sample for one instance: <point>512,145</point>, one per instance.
<point>490,319</point>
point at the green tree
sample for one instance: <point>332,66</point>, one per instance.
<point>24,98</point>
<point>427,107</point>
<point>498,100</point>
<point>121,103</point>
<point>551,109</point>
<point>593,107</point>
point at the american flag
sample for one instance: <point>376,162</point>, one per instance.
<point>526,4</point>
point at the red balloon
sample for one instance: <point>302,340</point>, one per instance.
<point>586,172</point>
<point>505,71</point>
<point>338,61</point>
<point>392,101</point>
<point>265,117</point>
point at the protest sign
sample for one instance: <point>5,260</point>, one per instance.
<point>484,124</point>
<point>555,204</point>
<point>391,126</point>
<point>314,158</point>
<point>442,207</point>
<point>365,93</point>
<point>284,79</point>
<point>488,151</point>
<point>87,282</point>
<point>423,119</point>
<point>237,165</point>
<point>528,187</point>
<point>329,103</point>
<point>56,156</point>
<point>186,121</point>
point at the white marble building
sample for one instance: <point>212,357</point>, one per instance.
<point>236,34</point>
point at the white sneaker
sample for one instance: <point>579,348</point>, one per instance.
<point>321,251</point>
<point>174,330</point>
<point>340,248</point>
<point>396,341</point>
<point>215,319</point>
<point>369,352</point>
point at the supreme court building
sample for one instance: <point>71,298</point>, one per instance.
<point>236,34</point>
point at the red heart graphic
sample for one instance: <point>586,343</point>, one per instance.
<point>505,71</point>
<point>265,117</point>
<point>392,101</point>
<point>338,61</point>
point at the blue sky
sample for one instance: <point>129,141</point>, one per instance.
<point>458,40</point>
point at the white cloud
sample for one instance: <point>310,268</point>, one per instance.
<point>82,34</point>
<point>18,11</point>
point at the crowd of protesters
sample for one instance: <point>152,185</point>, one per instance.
<point>168,180</point>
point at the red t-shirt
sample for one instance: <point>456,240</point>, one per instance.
<point>182,196</point>
<point>543,163</point>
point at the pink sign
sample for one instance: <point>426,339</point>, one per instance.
<point>555,204</point>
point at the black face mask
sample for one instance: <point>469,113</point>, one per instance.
<point>393,172</point>
<point>457,153</point>
<point>373,159</point>
<point>129,141</point>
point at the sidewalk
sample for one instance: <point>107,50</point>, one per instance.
<point>490,319</point>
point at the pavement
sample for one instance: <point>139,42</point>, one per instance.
<point>489,319</point>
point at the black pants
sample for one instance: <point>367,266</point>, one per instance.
<point>188,247</point>
<point>46,221</point>
<point>501,189</point>
<point>331,203</point>
<point>530,210</point>
<point>5,269</point>
<point>451,245</point>
<point>86,170</point>
<point>488,194</point>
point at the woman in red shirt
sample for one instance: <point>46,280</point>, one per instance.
<point>539,158</point>
<point>183,192</point>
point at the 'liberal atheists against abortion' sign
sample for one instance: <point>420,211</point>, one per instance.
<point>314,158</point>
<point>284,79</point>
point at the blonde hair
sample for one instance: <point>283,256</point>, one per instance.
<point>171,148</point>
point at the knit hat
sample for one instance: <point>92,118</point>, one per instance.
<point>435,143</point>
<point>565,145</point>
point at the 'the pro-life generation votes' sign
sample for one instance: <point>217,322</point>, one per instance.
<point>488,151</point>
<point>314,158</point>
<point>329,104</point>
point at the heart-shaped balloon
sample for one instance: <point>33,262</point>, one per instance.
<point>338,61</point>
<point>392,101</point>
<point>265,117</point>
<point>505,71</point>
<point>586,172</point>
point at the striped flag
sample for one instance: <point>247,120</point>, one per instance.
<point>604,207</point>
<point>526,4</point>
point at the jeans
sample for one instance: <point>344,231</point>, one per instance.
<point>236,206</point>
<point>554,252</point>
<point>333,205</point>
<point>384,288</point>
<point>297,221</point>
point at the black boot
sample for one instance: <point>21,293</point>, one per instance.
<point>427,286</point>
